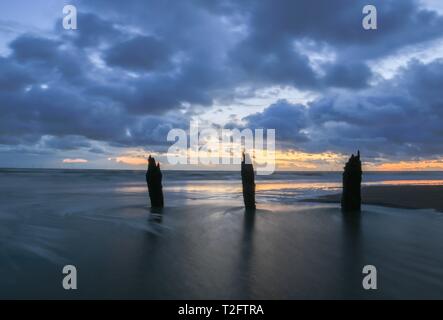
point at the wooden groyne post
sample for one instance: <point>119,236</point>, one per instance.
<point>154,181</point>
<point>248,182</point>
<point>352,176</point>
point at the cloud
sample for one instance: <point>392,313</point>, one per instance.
<point>13,76</point>
<point>53,97</point>
<point>65,142</point>
<point>268,51</point>
<point>128,75</point>
<point>95,31</point>
<point>33,48</point>
<point>348,75</point>
<point>429,165</point>
<point>288,119</point>
<point>399,118</point>
<point>74,161</point>
<point>130,160</point>
<point>141,53</point>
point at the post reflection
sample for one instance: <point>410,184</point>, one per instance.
<point>156,215</point>
<point>352,253</point>
<point>246,254</point>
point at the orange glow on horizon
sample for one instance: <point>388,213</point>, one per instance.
<point>74,161</point>
<point>424,165</point>
<point>130,160</point>
<point>298,161</point>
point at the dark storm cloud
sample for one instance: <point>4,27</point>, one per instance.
<point>141,53</point>
<point>46,60</point>
<point>274,27</point>
<point>94,121</point>
<point>275,64</point>
<point>58,110</point>
<point>289,120</point>
<point>66,142</point>
<point>339,24</point>
<point>31,48</point>
<point>13,76</point>
<point>135,69</point>
<point>158,94</point>
<point>93,32</point>
<point>399,118</point>
<point>348,75</point>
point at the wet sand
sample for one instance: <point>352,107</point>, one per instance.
<point>220,252</point>
<point>204,245</point>
<point>406,197</point>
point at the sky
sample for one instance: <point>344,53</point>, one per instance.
<point>107,94</point>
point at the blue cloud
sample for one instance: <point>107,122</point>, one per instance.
<point>143,67</point>
<point>398,118</point>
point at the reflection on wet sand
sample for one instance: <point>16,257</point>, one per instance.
<point>230,187</point>
<point>352,258</point>
<point>407,183</point>
<point>213,250</point>
<point>235,187</point>
<point>246,256</point>
<point>156,215</point>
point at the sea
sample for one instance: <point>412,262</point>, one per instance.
<point>204,245</point>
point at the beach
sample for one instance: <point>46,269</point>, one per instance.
<point>203,245</point>
<point>399,196</point>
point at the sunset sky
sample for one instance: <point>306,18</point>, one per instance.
<point>107,94</point>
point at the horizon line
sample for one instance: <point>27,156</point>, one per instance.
<point>199,170</point>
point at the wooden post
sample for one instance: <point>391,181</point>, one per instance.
<point>154,181</point>
<point>248,181</point>
<point>352,176</point>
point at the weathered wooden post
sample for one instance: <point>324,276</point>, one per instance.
<point>154,181</point>
<point>352,176</point>
<point>248,182</point>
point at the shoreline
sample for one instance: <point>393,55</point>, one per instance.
<point>402,197</point>
<point>204,245</point>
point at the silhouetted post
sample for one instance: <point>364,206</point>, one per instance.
<point>154,181</point>
<point>248,181</point>
<point>351,197</point>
